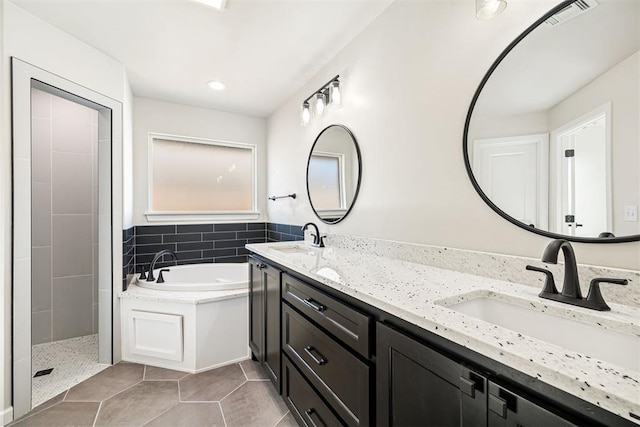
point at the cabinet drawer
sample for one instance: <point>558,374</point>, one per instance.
<point>347,324</point>
<point>338,375</point>
<point>304,402</point>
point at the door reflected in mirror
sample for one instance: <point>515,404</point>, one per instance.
<point>553,138</point>
<point>333,173</point>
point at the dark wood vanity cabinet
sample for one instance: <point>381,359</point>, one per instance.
<point>419,386</point>
<point>335,365</point>
<point>264,317</point>
<point>326,348</point>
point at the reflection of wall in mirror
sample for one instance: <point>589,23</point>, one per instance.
<point>619,86</point>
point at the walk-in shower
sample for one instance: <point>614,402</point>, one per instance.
<point>63,137</point>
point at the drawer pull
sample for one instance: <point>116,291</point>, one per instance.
<point>311,303</point>
<point>319,360</point>
<point>311,413</point>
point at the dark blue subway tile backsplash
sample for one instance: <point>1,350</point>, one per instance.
<point>198,243</point>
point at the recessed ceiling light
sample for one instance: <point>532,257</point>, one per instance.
<point>216,4</point>
<point>216,85</point>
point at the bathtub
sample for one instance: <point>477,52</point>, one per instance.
<point>199,277</point>
<point>197,320</point>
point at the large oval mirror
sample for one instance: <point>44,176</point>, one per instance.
<point>333,173</point>
<point>552,138</point>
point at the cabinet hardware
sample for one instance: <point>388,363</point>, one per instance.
<point>311,303</point>
<point>498,405</point>
<point>468,387</point>
<point>320,360</point>
<point>309,413</point>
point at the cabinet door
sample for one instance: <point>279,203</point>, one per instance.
<point>417,386</point>
<point>256,309</point>
<point>507,409</point>
<point>272,347</point>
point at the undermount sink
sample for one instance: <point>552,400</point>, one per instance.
<point>591,340</point>
<point>295,249</point>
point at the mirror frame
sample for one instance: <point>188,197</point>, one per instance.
<point>465,145</point>
<point>355,194</point>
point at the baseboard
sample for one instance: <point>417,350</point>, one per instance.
<point>7,415</point>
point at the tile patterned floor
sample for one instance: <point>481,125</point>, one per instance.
<point>73,361</point>
<point>129,394</point>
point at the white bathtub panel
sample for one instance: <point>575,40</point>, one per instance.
<point>222,333</point>
<point>156,334</point>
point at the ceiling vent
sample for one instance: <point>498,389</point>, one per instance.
<point>574,9</point>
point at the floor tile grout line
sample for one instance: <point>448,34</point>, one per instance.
<point>144,373</point>
<point>113,395</point>
<point>95,419</point>
<point>162,413</point>
<point>283,417</point>
<point>222,412</point>
<point>243,371</point>
<point>228,394</point>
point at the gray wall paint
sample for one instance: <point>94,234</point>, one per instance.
<point>64,219</point>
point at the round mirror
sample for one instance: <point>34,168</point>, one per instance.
<point>552,137</point>
<point>333,173</point>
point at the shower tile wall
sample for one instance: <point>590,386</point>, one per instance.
<point>64,219</point>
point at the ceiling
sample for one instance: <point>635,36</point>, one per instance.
<point>552,63</point>
<point>263,50</point>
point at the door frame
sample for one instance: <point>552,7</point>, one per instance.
<point>23,77</point>
<point>557,154</point>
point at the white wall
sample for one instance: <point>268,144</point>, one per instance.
<point>620,87</point>
<point>175,119</point>
<point>36,42</point>
<point>408,80</point>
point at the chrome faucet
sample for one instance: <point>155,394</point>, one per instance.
<point>571,293</point>
<point>159,255</point>
<point>318,240</point>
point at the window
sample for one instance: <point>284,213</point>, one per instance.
<point>325,177</point>
<point>199,178</point>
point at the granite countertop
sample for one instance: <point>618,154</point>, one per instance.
<point>181,297</point>
<point>419,294</point>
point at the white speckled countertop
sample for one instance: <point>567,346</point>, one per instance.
<point>418,294</point>
<point>180,297</point>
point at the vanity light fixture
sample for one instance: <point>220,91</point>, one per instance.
<point>321,100</point>
<point>216,85</point>
<point>329,95</point>
<point>305,115</point>
<point>487,9</point>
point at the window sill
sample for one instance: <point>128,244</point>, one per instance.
<point>178,217</point>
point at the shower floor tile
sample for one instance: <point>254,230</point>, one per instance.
<point>73,361</point>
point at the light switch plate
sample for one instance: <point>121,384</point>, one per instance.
<point>631,213</point>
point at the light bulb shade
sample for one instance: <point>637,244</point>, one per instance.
<point>487,9</point>
<point>321,103</point>
<point>305,114</point>
<point>334,94</point>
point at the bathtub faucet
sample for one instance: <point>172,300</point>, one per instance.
<point>155,259</point>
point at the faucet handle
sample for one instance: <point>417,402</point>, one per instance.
<point>160,278</point>
<point>321,244</point>
<point>143,275</point>
<point>594,296</point>
<point>549,282</point>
